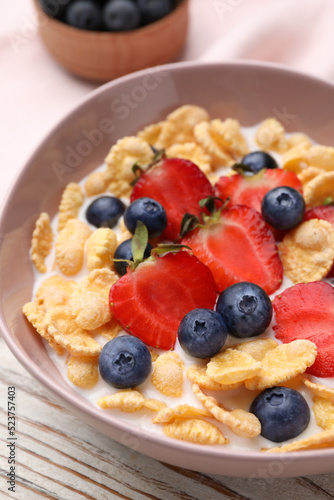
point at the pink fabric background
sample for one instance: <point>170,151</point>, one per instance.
<point>36,93</point>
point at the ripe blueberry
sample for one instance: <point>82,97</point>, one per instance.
<point>152,10</point>
<point>150,212</point>
<point>283,207</point>
<point>84,14</point>
<point>258,160</point>
<point>105,211</point>
<point>124,251</point>
<point>121,15</point>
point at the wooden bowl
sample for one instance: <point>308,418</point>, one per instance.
<point>103,56</point>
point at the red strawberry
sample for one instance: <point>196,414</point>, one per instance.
<point>178,185</point>
<point>325,212</point>
<point>150,301</point>
<point>306,311</point>
<point>249,190</point>
<point>238,246</point>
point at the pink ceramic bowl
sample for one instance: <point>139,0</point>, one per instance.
<point>249,92</point>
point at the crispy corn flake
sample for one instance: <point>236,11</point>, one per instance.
<point>324,439</point>
<point>296,158</point>
<point>321,156</point>
<point>108,331</point>
<point>232,366</point>
<point>283,363</point>
<point>119,188</point>
<point>241,422</point>
<point>271,136</point>
<point>154,355</point>
<point>191,151</point>
<point>195,431</point>
<point>317,190</point>
<point>41,243</point>
<point>100,248</point>
<point>70,246</point>
<point>36,316</point>
<point>307,252</point>
<point>320,390</point>
<point>124,154</point>
<point>54,291</point>
<point>151,133</point>
<point>165,415</point>
<point>71,201</point>
<point>298,138</point>
<point>96,183</point>
<point>89,303</point>
<point>257,348</point>
<point>61,326</point>
<point>308,174</point>
<point>293,383</point>
<point>197,375</point>
<point>83,371</point>
<point>129,401</point>
<point>323,410</point>
<point>184,119</point>
<point>167,374</point>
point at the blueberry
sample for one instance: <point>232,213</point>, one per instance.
<point>84,14</point>
<point>125,362</point>
<point>105,211</point>
<point>202,333</point>
<point>258,160</point>
<point>124,251</point>
<point>150,212</point>
<point>121,15</point>
<point>54,8</point>
<point>283,207</point>
<point>152,10</point>
<point>283,413</point>
<point>246,309</point>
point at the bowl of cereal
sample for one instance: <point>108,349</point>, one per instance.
<point>123,343</point>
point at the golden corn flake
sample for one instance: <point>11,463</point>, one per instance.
<point>191,151</point>
<point>324,439</point>
<point>54,291</point>
<point>323,410</point>
<point>71,201</point>
<point>307,252</point>
<point>61,326</point>
<point>129,401</point>
<point>41,243</point>
<point>96,183</point>
<point>241,422</point>
<point>232,366</point>
<point>317,190</point>
<point>154,354</point>
<point>83,371</point>
<point>124,154</point>
<point>308,174</point>
<point>320,390</point>
<point>271,136</point>
<point>296,158</point>
<point>89,303</point>
<point>184,119</point>
<point>108,331</point>
<point>298,138</point>
<point>283,363</point>
<point>70,246</point>
<point>197,375</point>
<point>181,411</point>
<point>100,248</point>
<point>151,133</point>
<point>167,374</point>
<point>195,431</point>
<point>36,316</point>
<point>257,348</point>
<point>321,156</point>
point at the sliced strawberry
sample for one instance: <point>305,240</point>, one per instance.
<point>306,311</point>
<point>178,185</point>
<point>150,301</point>
<point>239,246</point>
<point>325,212</point>
<point>249,190</point>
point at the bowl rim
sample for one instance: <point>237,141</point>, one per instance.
<point>80,404</point>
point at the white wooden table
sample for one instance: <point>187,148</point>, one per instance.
<point>59,457</point>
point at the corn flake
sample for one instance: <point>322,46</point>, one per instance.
<point>323,410</point>
<point>108,331</point>
<point>308,174</point>
<point>129,401</point>
<point>197,375</point>
<point>257,348</point>
<point>307,252</point>
<point>83,371</point>
<point>61,326</point>
<point>41,243</point>
<point>151,133</point>
<point>70,246</point>
<point>89,303</point>
<point>296,158</point>
<point>283,363</point>
<point>100,248</point>
<point>71,201</point>
<point>195,431</point>
<point>54,291</point>
<point>36,316</point>
<point>96,183</point>
<point>241,422</point>
<point>324,439</point>
<point>321,156</point>
<point>165,415</point>
<point>167,374</point>
<point>271,136</point>
<point>184,119</point>
<point>320,390</point>
<point>232,366</point>
<point>298,138</point>
<point>317,190</point>
<point>191,151</point>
